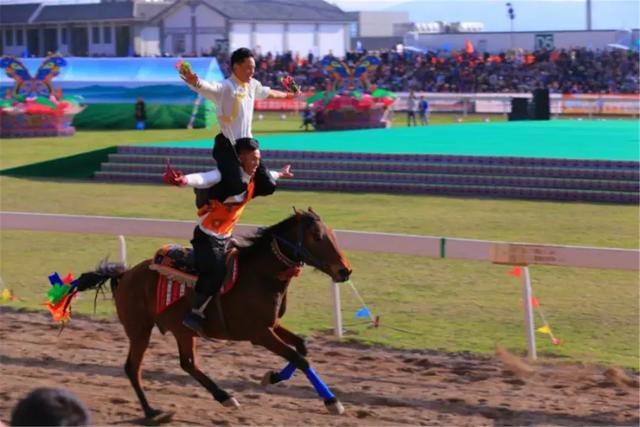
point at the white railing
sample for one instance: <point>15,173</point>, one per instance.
<point>429,246</point>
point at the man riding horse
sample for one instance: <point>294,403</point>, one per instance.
<point>216,221</point>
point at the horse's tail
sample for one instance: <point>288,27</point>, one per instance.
<point>96,279</point>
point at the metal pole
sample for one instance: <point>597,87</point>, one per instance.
<point>123,250</point>
<point>337,311</point>
<point>588,15</point>
<point>528,314</point>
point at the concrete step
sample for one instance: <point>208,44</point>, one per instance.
<point>195,163</point>
<point>397,177</point>
<point>466,190</point>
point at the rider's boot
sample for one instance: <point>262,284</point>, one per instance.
<point>195,317</point>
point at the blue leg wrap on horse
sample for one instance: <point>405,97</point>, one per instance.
<point>287,372</point>
<point>320,387</point>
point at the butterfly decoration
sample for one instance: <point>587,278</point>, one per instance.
<point>347,77</point>
<point>29,86</point>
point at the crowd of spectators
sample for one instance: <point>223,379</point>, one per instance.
<point>579,70</point>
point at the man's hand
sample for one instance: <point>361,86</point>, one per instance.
<point>187,74</point>
<point>290,85</point>
<point>285,172</point>
<point>172,177</point>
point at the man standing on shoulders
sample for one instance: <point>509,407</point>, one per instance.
<point>234,99</point>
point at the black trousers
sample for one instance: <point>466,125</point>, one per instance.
<point>209,255</point>
<point>230,169</point>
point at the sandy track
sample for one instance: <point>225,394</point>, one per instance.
<point>377,386</point>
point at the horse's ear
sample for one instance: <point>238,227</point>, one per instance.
<point>297,212</point>
<point>312,212</point>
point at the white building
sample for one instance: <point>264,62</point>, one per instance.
<point>145,28</point>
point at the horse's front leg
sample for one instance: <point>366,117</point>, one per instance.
<point>291,339</point>
<point>273,377</point>
<point>271,341</point>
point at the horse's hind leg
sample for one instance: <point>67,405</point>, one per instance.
<point>271,341</point>
<point>138,343</point>
<point>273,377</point>
<point>187,347</point>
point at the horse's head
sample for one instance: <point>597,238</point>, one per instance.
<point>312,242</point>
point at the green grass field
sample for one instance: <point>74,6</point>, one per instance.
<point>423,303</point>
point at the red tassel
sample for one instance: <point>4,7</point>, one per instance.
<point>517,272</point>
<point>289,273</point>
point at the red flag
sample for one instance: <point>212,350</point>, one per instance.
<point>68,279</point>
<point>517,271</point>
<point>534,302</point>
<point>555,341</point>
<point>468,47</point>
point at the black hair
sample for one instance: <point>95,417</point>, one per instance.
<point>50,407</point>
<point>239,55</point>
<point>246,144</point>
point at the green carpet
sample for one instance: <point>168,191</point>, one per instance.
<point>564,139</point>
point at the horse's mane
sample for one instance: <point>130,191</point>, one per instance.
<point>261,240</point>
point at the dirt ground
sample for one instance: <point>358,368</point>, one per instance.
<point>377,386</point>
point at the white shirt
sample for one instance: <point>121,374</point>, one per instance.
<point>234,101</point>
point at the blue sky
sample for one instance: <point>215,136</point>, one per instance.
<point>531,15</point>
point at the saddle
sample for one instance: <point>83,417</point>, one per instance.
<point>175,265</point>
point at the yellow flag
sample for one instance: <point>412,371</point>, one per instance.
<point>5,295</point>
<point>544,329</point>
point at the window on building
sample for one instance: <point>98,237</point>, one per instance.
<point>96,35</point>
<point>106,34</point>
<point>179,43</point>
<point>19,38</point>
<point>353,27</point>
<point>9,36</point>
<point>64,36</point>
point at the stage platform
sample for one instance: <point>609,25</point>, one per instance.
<point>594,161</point>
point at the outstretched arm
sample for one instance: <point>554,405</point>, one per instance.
<point>207,90</point>
<point>290,85</point>
<point>278,94</point>
<point>195,180</point>
<point>285,172</point>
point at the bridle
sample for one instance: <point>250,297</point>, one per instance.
<point>300,253</point>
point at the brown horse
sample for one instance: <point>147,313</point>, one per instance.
<point>250,311</point>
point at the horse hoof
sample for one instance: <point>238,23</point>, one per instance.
<point>335,408</point>
<point>266,379</point>
<point>231,403</point>
<point>160,418</point>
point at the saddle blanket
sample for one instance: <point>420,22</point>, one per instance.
<point>176,272</point>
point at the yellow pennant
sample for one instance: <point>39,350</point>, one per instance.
<point>544,329</point>
<point>6,295</point>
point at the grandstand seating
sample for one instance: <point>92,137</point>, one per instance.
<point>449,175</point>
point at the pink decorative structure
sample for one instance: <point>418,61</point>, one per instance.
<point>350,101</point>
<point>32,109</point>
